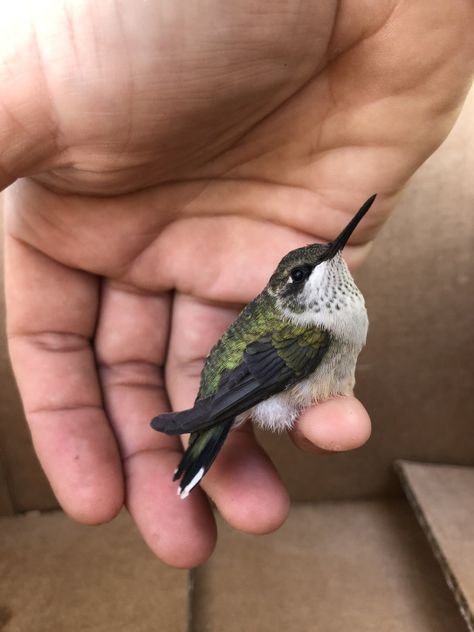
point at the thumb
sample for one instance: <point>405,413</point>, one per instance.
<point>335,425</point>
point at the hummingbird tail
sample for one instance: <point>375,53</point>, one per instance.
<point>203,448</point>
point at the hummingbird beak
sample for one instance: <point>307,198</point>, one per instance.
<point>338,244</point>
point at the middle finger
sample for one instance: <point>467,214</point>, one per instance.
<point>131,345</point>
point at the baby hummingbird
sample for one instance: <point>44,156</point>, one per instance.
<point>295,344</point>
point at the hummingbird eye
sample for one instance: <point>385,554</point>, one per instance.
<point>299,274</point>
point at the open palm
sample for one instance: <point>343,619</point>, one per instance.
<point>168,159</point>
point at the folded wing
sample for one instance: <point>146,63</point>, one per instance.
<point>269,365</point>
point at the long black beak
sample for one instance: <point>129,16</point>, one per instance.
<point>338,244</point>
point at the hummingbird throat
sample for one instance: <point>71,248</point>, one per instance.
<point>329,299</point>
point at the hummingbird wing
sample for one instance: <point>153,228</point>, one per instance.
<point>269,364</point>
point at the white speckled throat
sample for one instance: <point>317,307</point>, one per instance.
<point>332,300</point>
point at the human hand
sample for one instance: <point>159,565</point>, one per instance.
<point>172,159</point>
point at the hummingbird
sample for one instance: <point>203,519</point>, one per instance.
<point>295,344</point>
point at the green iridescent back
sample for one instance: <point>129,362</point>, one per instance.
<point>254,320</point>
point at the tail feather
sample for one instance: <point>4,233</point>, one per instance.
<point>187,457</point>
<point>198,458</point>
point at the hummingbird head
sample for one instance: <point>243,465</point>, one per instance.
<point>313,283</point>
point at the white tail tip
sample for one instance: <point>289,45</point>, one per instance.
<point>184,493</point>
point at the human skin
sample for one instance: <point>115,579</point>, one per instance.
<point>160,163</point>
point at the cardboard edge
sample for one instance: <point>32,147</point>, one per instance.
<point>423,521</point>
